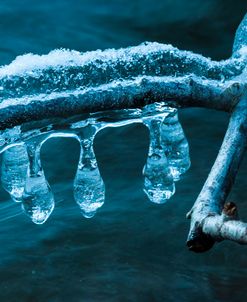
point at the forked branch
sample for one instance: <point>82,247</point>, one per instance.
<point>210,220</point>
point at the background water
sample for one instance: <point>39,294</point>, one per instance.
<point>132,250</point>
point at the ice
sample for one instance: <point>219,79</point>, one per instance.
<point>37,200</point>
<point>168,158</point>
<point>240,41</point>
<point>89,188</point>
<point>14,171</point>
<point>176,145</point>
<point>158,183</point>
<point>168,154</point>
<point>68,70</point>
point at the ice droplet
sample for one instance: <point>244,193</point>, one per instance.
<point>14,171</point>
<point>38,201</point>
<point>175,144</point>
<point>89,188</point>
<point>158,183</point>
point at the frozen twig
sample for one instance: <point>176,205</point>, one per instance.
<point>210,220</point>
<point>187,91</point>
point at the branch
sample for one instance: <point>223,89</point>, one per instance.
<point>67,83</point>
<point>187,91</point>
<point>210,221</point>
<point>61,70</point>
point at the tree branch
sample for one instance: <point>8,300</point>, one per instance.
<point>187,91</point>
<point>63,70</point>
<point>66,83</point>
<point>208,222</point>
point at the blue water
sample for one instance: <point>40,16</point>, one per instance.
<point>131,250</point>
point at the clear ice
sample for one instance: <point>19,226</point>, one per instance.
<point>37,199</point>
<point>89,188</point>
<point>14,171</point>
<point>23,177</point>
<point>168,154</point>
<point>176,145</point>
<point>158,182</point>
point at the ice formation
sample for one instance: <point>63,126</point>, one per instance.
<point>37,199</point>
<point>23,177</point>
<point>89,188</point>
<point>69,94</point>
<point>14,171</point>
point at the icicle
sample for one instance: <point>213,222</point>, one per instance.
<point>175,144</point>
<point>14,171</point>
<point>158,183</point>
<point>38,201</point>
<point>89,188</point>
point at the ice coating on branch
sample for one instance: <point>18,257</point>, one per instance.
<point>64,83</point>
<point>14,171</point>
<point>89,188</point>
<point>31,64</point>
<point>240,41</point>
<point>37,200</point>
<point>65,70</point>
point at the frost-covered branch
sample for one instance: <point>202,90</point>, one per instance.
<point>67,83</point>
<point>187,91</point>
<point>212,218</point>
<point>210,221</point>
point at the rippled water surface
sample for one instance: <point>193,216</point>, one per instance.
<point>131,250</point>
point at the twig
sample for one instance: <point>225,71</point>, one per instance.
<point>208,222</point>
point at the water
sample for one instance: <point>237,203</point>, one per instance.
<point>132,250</point>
